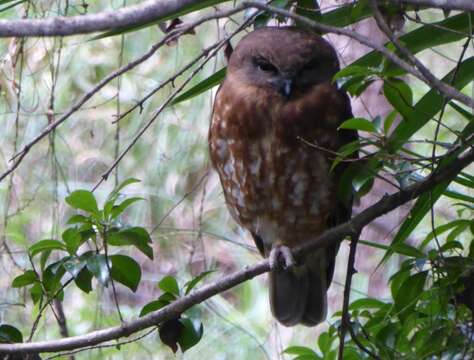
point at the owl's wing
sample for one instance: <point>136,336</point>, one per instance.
<point>346,136</point>
<point>259,243</point>
<point>344,210</point>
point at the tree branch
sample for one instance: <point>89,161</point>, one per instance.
<point>146,12</point>
<point>463,5</point>
<point>336,234</point>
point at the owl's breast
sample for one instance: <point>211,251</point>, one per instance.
<point>273,178</point>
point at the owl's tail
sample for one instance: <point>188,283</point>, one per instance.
<point>298,295</point>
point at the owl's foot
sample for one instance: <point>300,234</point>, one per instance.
<point>281,258</point>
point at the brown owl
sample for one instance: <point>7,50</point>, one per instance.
<point>273,134</point>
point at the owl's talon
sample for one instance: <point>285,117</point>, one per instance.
<point>281,258</point>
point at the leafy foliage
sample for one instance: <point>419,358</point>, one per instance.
<point>95,228</point>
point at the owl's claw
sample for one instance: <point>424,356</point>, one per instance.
<point>281,258</point>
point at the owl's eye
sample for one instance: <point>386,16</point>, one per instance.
<point>265,66</point>
<point>313,64</point>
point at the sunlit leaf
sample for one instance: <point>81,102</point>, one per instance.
<point>169,284</point>
<point>212,81</point>
<point>27,278</point>
<point>136,236</point>
<point>46,245</point>
<point>83,200</point>
<point>360,124</point>
<point>153,306</point>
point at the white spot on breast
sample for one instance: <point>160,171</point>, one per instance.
<point>227,108</point>
<point>228,169</point>
<point>236,194</point>
<point>255,166</point>
<point>300,186</point>
<point>221,147</point>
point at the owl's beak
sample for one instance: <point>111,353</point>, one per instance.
<point>287,86</point>
<point>284,86</point>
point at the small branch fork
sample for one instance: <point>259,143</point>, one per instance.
<point>336,234</point>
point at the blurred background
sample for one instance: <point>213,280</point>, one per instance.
<point>184,209</point>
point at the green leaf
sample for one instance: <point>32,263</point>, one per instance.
<point>387,125</point>
<point>190,334</point>
<point>78,219</point>
<point>46,245</point>
<point>153,306</point>
<point>441,229</point>
<point>51,278</point>
<point>169,284</point>
<point>451,246</point>
<point>74,265</point>
<point>120,208</point>
<point>355,70</point>
<point>97,265</point>
<point>344,151</point>
<point>27,278</point>
<point>466,114</point>
<point>405,249</point>
<point>116,191</point>
<point>399,95</point>
<point>325,341</point>
<point>73,240</point>
<point>10,334</point>
<point>136,236</point>
<point>360,124</point>
<point>408,294</point>
<point>208,83</point>
<point>83,280</point>
<point>366,303</point>
<point>126,271</point>
<point>192,283</point>
<point>83,200</point>
<point>36,293</point>
<point>299,350</point>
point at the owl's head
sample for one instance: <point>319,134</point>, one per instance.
<point>286,59</point>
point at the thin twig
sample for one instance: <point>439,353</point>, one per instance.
<point>345,319</point>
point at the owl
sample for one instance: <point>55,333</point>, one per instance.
<point>272,139</point>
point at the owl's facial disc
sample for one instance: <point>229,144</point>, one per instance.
<point>270,74</point>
